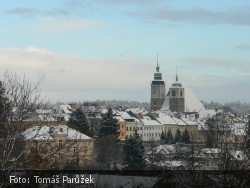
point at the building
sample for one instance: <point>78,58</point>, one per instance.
<point>178,99</point>
<point>182,99</point>
<point>157,90</point>
<point>57,147</point>
<point>128,124</point>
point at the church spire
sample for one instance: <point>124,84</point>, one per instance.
<point>176,74</point>
<point>157,66</point>
<point>157,75</point>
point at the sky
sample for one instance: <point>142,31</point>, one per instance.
<point>82,50</point>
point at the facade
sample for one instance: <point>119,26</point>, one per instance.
<point>122,127</point>
<point>176,97</point>
<point>152,129</point>
<point>57,147</point>
<point>157,90</point>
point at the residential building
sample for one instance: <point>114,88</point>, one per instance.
<point>57,146</point>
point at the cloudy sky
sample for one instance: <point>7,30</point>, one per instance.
<point>106,49</point>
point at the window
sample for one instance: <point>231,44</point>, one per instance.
<point>60,144</point>
<point>155,134</point>
<point>122,134</point>
<point>127,128</point>
<point>85,149</point>
<point>61,130</point>
<point>130,128</point>
<point>133,128</point>
<point>145,134</point>
<point>173,92</point>
<point>141,128</point>
<point>75,149</point>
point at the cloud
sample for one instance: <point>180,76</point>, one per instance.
<point>32,12</point>
<point>198,15</point>
<point>202,63</point>
<point>57,12</point>
<point>67,77</point>
<point>77,3</point>
<point>23,12</point>
<point>52,24</point>
<point>243,47</point>
<point>142,2</point>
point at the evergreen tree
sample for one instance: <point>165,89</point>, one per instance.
<point>185,137</point>
<point>79,121</point>
<point>178,136</point>
<point>163,136</point>
<point>210,137</point>
<point>107,145</point>
<point>133,148</point>
<point>209,141</point>
<point>247,137</point>
<point>109,124</point>
<point>169,138</point>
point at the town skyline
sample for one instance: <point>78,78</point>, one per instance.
<point>90,50</point>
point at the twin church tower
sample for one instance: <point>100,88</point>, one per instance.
<point>174,100</point>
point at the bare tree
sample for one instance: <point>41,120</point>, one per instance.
<point>19,98</point>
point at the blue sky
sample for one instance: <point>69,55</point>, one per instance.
<point>106,49</point>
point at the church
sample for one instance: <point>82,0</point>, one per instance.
<point>178,98</point>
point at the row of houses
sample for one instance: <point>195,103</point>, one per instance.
<point>150,126</point>
<point>198,157</point>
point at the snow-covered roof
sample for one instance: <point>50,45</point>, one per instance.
<point>188,121</point>
<point>191,102</point>
<point>124,115</point>
<point>63,115</point>
<point>47,133</point>
<point>44,111</point>
<point>207,113</point>
<point>64,108</point>
<point>164,149</point>
<point>165,105</point>
<point>119,119</point>
<point>165,118</point>
<point>179,121</point>
<point>146,120</point>
<point>171,164</point>
<point>137,111</point>
<point>211,150</point>
<point>238,155</point>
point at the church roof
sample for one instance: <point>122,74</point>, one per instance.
<point>192,103</point>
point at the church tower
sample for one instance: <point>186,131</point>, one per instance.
<point>176,96</point>
<point>157,90</point>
